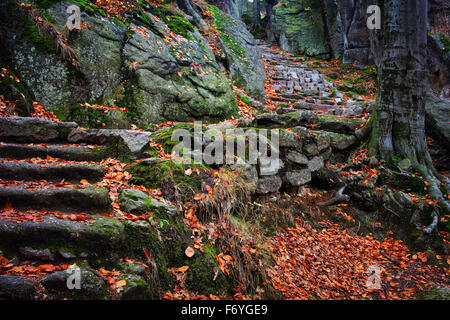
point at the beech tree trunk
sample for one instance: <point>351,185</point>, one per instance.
<point>269,10</point>
<point>196,19</point>
<point>398,122</point>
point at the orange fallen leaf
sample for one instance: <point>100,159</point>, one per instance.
<point>120,284</point>
<point>183,269</point>
<point>147,254</point>
<point>189,252</point>
<point>198,197</point>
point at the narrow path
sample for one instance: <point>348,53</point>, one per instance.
<point>294,84</point>
<point>330,261</point>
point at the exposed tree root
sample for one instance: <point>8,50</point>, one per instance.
<point>338,197</point>
<point>430,228</point>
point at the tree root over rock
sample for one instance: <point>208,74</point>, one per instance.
<point>339,197</point>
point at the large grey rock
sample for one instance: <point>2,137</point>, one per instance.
<point>178,80</point>
<point>437,117</point>
<point>315,164</point>
<point>290,139</point>
<point>310,149</point>
<point>16,288</point>
<point>298,26</point>
<point>297,177</point>
<point>134,140</point>
<point>323,141</point>
<point>156,80</point>
<point>136,201</point>
<point>34,129</point>
<point>342,141</point>
<point>269,184</point>
<point>297,157</point>
<point>242,53</point>
<point>291,119</point>
<point>91,286</point>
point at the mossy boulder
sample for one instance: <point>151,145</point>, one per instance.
<point>136,201</point>
<point>243,56</point>
<point>91,286</point>
<point>167,137</point>
<point>127,64</point>
<point>170,176</point>
<point>105,241</point>
<point>436,293</point>
<point>342,141</point>
<point>299,27</point>
<point>135,289</point>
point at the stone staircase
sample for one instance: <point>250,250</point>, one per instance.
<point>34,150</point>
<point>52,211</point>
<point>296,85</point>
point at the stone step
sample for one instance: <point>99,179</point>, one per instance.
<point>67,152</point>
<point>302,105</point>
<point>292,96</point>
<point>50,172</point>
<point>281,99</point>
<point>26,129</point>
<point>61,199</point>
<point>55,241</point>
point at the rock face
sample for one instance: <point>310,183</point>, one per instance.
<point>157,75</point>
<point>437,115</point>
<point>338,28</point>
<point>34,129</point>
<point>242,53</point>
<point>16,288</point>
<point>335,28</point>
<point>133,140</point>
<point>91,287</point>
<point>439,65</point>
<point>298,27</point>
<point>136,201</point>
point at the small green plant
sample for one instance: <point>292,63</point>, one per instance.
<point>161,222</point>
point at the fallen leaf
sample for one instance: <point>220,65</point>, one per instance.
<point>183,269</point>
<point>189,252</point>
<point>120,284</point>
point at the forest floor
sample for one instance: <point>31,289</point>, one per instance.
<point>323,254</point>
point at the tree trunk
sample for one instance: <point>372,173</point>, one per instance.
<point>196,19</point>
<point>269,9</point>
<point>398,124</point>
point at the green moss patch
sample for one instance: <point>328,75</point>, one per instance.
<point>171,176</point>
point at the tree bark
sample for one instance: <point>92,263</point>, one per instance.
<point>269,9</point>
<point>398,126</point>
<point>196,19</point>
